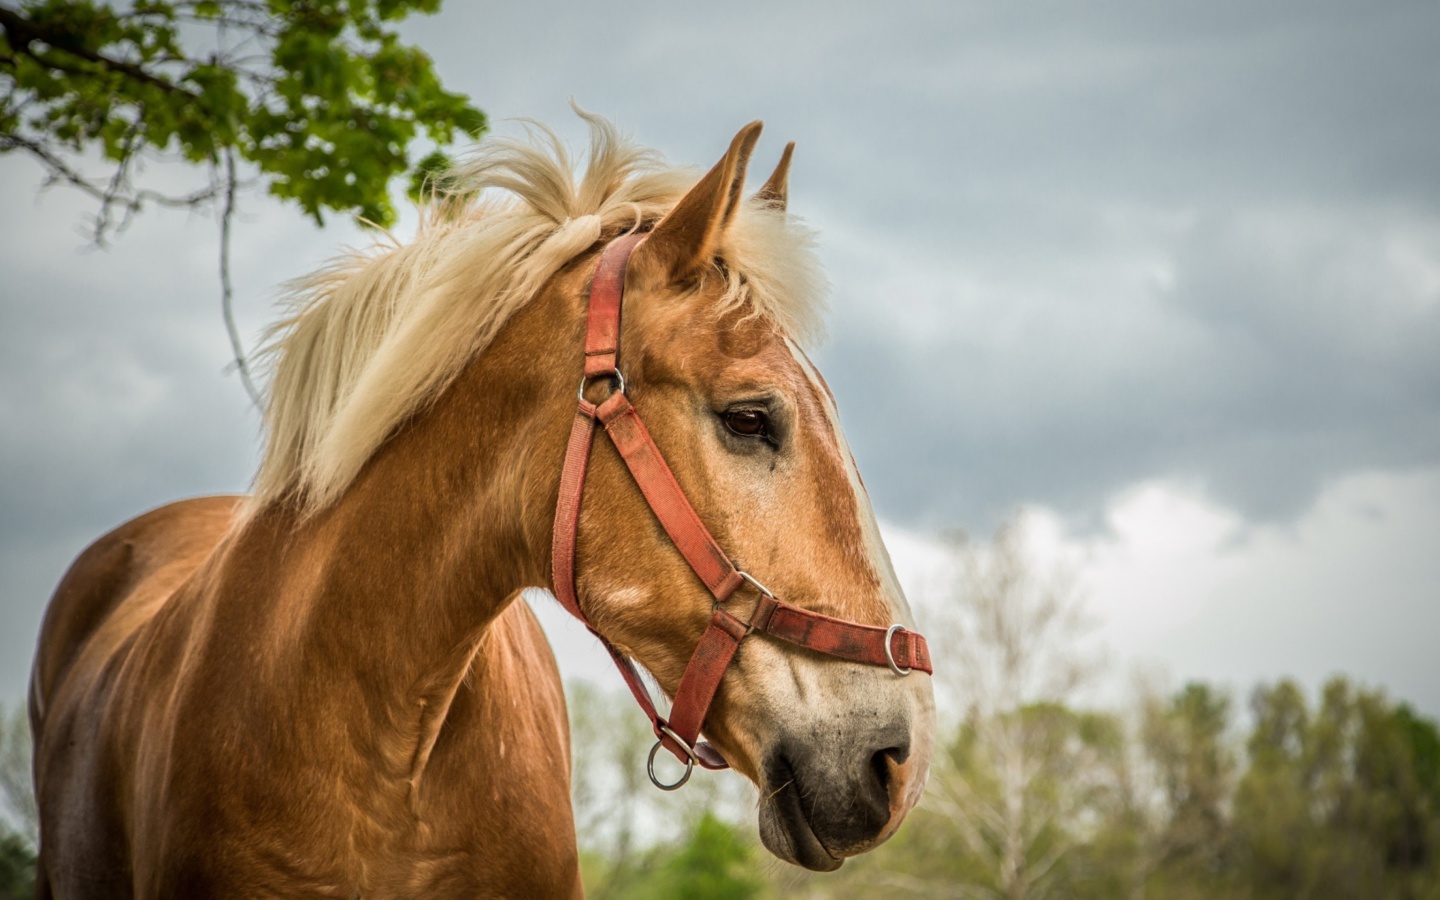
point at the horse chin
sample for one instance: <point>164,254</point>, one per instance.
<point>786,832</point>
<point>794,842</point>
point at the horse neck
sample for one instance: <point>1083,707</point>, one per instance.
<point>394,588</point>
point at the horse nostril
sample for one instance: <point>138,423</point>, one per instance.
<point>880,762</point>
<point>838,792</point>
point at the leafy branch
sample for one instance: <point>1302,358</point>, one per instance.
<point>316,100</point>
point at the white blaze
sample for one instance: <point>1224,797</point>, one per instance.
<point>874,545</point>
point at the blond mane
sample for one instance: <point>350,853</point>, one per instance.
<point>375,335</point>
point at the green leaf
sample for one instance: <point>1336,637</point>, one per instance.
<point>329,122</point>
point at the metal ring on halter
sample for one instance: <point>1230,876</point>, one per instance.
<point>689,763</point>
<point>758,586</point>
<point>889,654</point>
<point>613,373</point>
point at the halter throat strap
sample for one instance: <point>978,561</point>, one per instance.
<point>900,649</point>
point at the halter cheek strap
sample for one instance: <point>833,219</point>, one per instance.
<point>900,649</point>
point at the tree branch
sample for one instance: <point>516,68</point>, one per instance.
<point>57,167</point>
<point>110,195</point>
<point>227,212</point>
<point>22,32</point>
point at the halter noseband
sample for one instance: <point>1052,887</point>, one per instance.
<point>896,647</point>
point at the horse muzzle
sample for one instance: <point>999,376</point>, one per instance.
<point>823,801</point>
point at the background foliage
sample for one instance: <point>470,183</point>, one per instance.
<point>320,97</point>
<point>1182,793</point>
<point>318,101</point>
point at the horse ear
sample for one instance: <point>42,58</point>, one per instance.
<point>776,192</point>
<point>685,241</point>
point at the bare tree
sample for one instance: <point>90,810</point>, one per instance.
<point>1022,763</point>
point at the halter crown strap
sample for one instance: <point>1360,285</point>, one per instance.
<point>900,649</point>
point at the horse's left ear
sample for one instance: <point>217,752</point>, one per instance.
<point>776,192</point>
<point>686,240</point>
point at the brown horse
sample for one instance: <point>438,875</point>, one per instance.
<point>328,688</point>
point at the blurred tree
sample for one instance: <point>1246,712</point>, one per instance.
<point>1188,743</point>
<point>17,796</point>
<point>17,867</point>
<point>713,862</point>
<point>17,848</point>
<point>1024,790</point>
<point>318,100</point>
<point>1013,626</point>
<point>1183,834</point>
<point>624,825</point>
<point>1014,629</point>
<point>1010,793</point>
<point>607,782</point>
<point>1341,802</point>
<point>1196,764</point>
<point>1031,796</point>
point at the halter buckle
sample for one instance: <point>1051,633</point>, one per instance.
<point>689,762</point>
<point>890,654</point>
<point>759,604</point>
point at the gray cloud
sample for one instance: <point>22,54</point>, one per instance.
<point>113,392</point>
<point>1258,357</point>
<point>1072,246</point>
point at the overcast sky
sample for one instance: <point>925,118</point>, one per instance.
<point>1166,275</point>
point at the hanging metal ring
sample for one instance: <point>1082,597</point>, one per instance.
<point>890,654</point>
<point>614,375</point>
<point>689,762</point>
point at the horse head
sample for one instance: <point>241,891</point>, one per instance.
<point>839,749</point>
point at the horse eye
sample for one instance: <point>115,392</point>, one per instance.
<point>748,422</point>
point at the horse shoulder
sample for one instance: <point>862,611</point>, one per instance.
<point>97,586</point>
<point>97,613</point>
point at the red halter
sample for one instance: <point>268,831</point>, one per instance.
<point>896,647</point>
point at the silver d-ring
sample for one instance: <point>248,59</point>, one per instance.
<point>889,654</point>
<point>613,373</point>
<point>689,762</point>
<point>758,586</point>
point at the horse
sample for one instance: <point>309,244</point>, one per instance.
<point>331,687</point>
